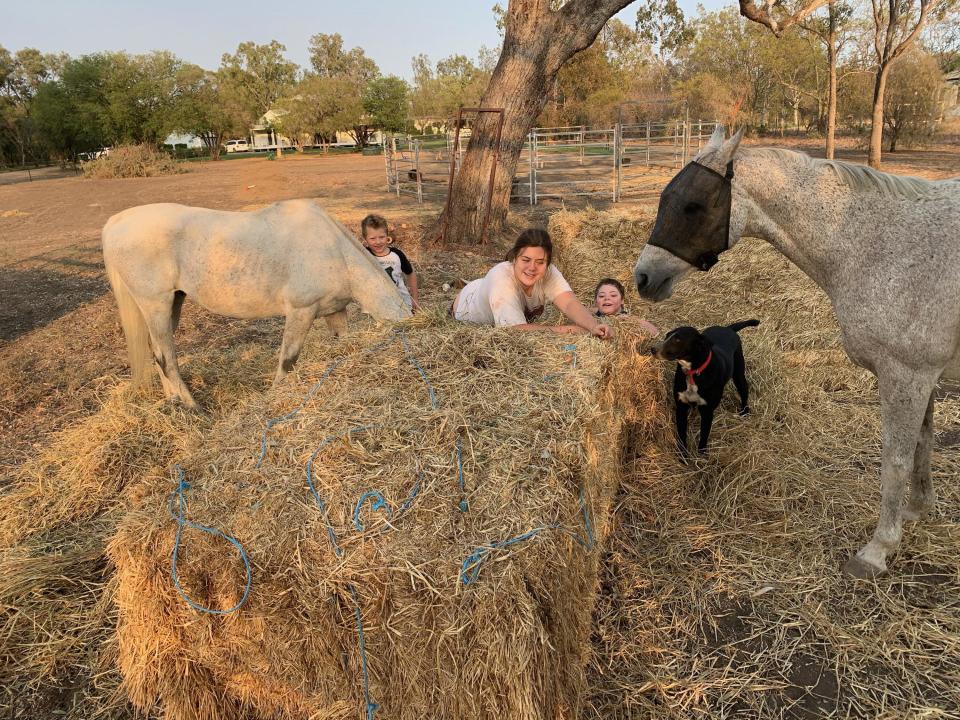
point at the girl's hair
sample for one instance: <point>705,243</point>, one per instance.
<point>610,281</point>
<point>532,237</point>
<point>377,222</point>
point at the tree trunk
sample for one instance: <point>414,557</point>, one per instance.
<point>876,129</point>
<point>832,84</point>
<point>519,85</point>
<point>537,42</point>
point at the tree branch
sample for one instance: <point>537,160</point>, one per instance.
<point>587,17</point>
<point>763,16</point>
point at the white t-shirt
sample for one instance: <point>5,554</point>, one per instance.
<point>498,299</point>
<point>396,265</point>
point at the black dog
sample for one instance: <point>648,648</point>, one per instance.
<point>705,362</point>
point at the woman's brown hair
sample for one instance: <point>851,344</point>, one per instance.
<point>532,237</point>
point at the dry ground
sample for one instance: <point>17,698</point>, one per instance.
<point>61,350</point>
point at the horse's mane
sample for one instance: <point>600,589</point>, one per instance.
<point>860,178</point>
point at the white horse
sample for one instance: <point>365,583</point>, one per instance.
<point>885,249</point>
<point>289,259</point>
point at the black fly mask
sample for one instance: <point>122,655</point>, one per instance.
<point>693,220</point>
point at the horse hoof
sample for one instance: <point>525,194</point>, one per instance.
<point>910,514</point>
<point>860,569</point>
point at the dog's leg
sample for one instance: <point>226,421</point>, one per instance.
<point>706,420</point>
<point>740,381</point>
<point>681,413</point>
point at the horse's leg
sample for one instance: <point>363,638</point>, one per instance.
<point>159,317</point>
<point>904,397</point>
<point>337,322</point>
<point>295,332</point>
<point>923,496</point>
<point>178,298</point>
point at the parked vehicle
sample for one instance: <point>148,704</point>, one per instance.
<point>94,154</point>
<point>237,146</point>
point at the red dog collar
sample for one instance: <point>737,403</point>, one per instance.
<point>691,374</point>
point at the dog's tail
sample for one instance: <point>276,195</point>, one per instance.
<point>738,326</point>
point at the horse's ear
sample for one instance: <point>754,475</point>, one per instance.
<point>729,148</point>
<point>716,140</point>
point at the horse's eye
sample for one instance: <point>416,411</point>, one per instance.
<point>692,208</point>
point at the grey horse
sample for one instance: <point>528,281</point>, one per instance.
<point>290,258</point>
<point>884,248</point>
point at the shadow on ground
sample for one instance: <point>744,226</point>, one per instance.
<point>33,298</point>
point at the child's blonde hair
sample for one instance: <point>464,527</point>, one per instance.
<point>376,222</point>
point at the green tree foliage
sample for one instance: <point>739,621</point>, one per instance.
<point>911,104</point>
<point>70,111</point>
<point>439,90</point>
<point>207,107</point>
<point>258,76</point>
<point>355,71</point>
<point>21,76</point>
<point>777,86</point>
<point>141,95</point>
<point>321,107</point>
<point>386,105</point>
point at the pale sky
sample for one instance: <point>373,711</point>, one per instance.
<point>390,31</point>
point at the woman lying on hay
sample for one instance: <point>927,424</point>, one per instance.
<point>514,293</point>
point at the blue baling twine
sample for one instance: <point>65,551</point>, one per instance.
<point>573,362</point>
<point>414,491</point>
<point>313,391</point>
<point>464,505</point>
<point>470,569</point>
<point>182,522</point>
<point>378,503</point>
<point>323,506</point>
<point>371,706</point>
<point>413,361</point>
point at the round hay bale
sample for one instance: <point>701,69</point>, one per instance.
<point>458,530</point>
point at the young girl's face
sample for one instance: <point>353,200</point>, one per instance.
<point>609,300</point>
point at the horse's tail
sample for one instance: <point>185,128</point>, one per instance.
<point>134,327</point>
<point>738,326</point>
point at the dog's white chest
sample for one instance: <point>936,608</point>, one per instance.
<point>691,395</point>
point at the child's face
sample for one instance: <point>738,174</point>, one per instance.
<point>377,240</point>
<point>609,300</point>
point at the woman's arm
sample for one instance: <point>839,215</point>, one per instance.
<point>570,306</point>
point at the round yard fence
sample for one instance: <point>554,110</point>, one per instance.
<point>621,162</point>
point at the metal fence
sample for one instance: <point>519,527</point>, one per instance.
<point>621,162</point>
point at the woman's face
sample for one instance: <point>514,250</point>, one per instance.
<point>609,300</point>
<point>530,265</point>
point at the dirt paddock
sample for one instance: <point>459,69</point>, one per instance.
<point>62,353</point>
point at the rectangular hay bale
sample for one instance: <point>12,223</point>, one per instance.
<point>541,425</point>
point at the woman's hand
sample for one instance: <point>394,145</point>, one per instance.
<point>604,332</point>
<point>649,328</point>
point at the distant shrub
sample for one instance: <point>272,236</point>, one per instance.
<point>126,161</point>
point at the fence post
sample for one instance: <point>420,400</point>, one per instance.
<point>531,172</point>
<point>416,157</point>
<point>582,141</point>
<point>648,143</point>
<point>533,166</point>
<point>617,163</point>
